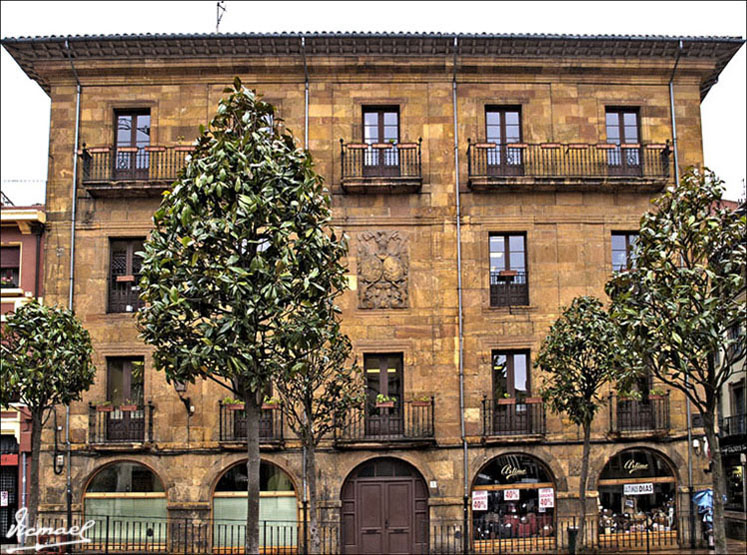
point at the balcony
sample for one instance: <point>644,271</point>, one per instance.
<point>733,426</point>
<point>512,417</point>
<point>381,167</point>
<point>644,416</point>
<point>509,288</point>
<point>125,424</point>
<point>131,171</point>
<point>567,167</point>
<point>411,423</point>
<point>232,425</point>
<point>124,293</point>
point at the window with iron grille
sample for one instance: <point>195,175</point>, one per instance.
<point>508,270</point>
<point>124,275</point>
<point>502,128</point>
<point>132,135</point>
<point>381,127</point>
<point>622,130</point>
<point>623,250</point>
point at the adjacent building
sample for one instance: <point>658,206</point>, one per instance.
<point>484,181</point>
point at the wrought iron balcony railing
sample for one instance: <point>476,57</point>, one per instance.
<point>232,425</point>
<point>109,424</point>
<point>381,166</point>
<point>145,168</point>
<point>513,417</point>
<point>509,288</point>
<point>411,420</point>
<point>645,415</point>
<point>733,425</point>
<point>492,164</point>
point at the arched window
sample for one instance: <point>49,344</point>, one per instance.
<point>133,498</point>
<point>278,508</point>
<point>513,496</point>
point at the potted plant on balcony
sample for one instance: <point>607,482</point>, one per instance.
<point>232,404</point>
<point>385,401</point>
<point>657,393</point>
<point>128,406</point>
<point>104,406</point>
<point>270,403</point>
<point>422,401</point>
<point>506,400</point>
<point>7,282</point>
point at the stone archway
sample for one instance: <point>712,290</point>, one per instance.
<point>384,509</point>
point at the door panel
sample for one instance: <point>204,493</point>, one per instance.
<point>398,516</point>
<point>370,506</point>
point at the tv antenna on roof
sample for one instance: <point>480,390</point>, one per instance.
<point>220,11</point>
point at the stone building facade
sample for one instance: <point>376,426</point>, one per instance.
<point>552,147</point>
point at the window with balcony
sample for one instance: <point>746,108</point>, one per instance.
<point>508,270</point>
<point>381,134</point>
<point>623,250</point>
<point>131,159</point>
<point>503,128</point>
<point>384,402</point>
<point>124,394</point>
<point>10,266</point>
<point>623,131</point>
<point>124,274</point>
<point>510,375</point>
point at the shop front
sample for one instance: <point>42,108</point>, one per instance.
<point>637,500</point>
<point>513,500</point>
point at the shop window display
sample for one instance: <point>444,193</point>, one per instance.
<point>513,497</point>
<point>637,491</point>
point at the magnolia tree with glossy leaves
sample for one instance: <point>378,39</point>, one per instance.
<point>578,360</point>
<point>46,361</point>
<point>678,309</point>
<point>240,246</point>
<point>319,395</point>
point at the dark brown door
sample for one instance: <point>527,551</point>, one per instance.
<point>381,126</point>
<point>131,160</point>
<point>384,377</point>
<point>385,509</point>
<point>503,127</point>
<point>125,387</point>
<point>622,129</point>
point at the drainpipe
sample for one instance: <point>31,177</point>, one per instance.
<point>68,488</point>
<point>465,461</point>
<point>305,501</point>
<point>689,408</point>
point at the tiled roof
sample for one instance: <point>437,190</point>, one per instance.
<point>29,50</point>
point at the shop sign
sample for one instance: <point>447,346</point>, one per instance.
<point>510,471</point>
<point>638,489</point>
<point>511,495</point>
<point>546,498</point>
<point>480,500</point>
<point>4,499</point>
<point>631,465</point>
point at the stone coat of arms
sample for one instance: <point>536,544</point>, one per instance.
<point>382,269</point>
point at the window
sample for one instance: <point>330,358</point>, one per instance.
<point>510,375</point>
<point>124,274</point>
<point>623,250</point>
<point>124,390</point>
<point>10,266</point>
<point>503,127</point>
<point>384,377</point>
<point>381,127</point>
<point>508,270</point>
<point>132,127</point>
<point>622,129</point>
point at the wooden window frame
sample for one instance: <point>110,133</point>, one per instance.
<point>510,373</point>
<point>511,281</point>
<point>131,243</point>
<point>504,167</point>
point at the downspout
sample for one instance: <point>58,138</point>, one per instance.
<point>39,229</point>
<point>305,500</point>
<point>68,489</point>
<point>689,408</point>
<point>460,309</point>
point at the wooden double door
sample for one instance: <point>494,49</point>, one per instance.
<point>385,509</point>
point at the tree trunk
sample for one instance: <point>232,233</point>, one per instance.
<point>252,408</point>
<point>718,485</point>
<point>582,486</point>
<point>33,504</point>
<point>315,544</point>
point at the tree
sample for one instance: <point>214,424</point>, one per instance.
<point>319,394</point>
<point>240,245</point>
<point>46,361</point>
<point>676,308</point>
<point>578,361</point>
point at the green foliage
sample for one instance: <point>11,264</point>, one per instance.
<point>578,359</point>
<point>240,246</point>
<point>381,398</point>
<point>676,307</point>
<point>46,357</point>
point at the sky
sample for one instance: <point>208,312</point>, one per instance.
<point>25,108</point>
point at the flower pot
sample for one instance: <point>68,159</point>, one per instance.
<point>507,401</point>
<point>238,406</point>
<point>104,408</point>
<point>270,406</point>
<point>421,403</point>
<point>508,273</point>
<point>128,408</point>
<point>656,397</point>
<point>385,405</point>
<point>533,400</point>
